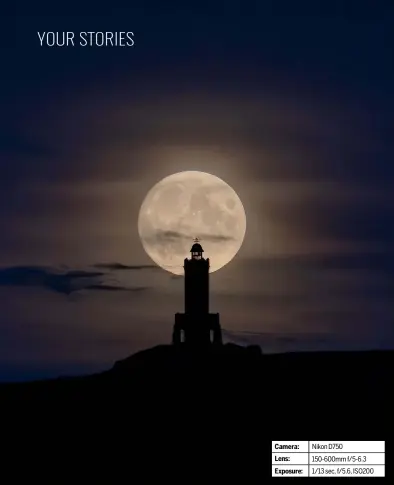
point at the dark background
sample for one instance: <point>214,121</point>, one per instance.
<point>290,102</point>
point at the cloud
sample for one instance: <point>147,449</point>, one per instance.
<point>83,274</point>
<point>176,276</point>
<point>66,282</point>
<point>120,266</point>
<point>272,342</point>
<point>304,341</point>
<point>114,288</point>
<point>379,261</point>
<point>359,219</point>
<point>170,236</point>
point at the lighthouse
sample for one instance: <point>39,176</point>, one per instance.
<point>196,326</point>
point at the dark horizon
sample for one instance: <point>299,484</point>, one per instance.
<point>291,105</point>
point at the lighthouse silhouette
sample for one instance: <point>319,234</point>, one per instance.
<point>197,327</point>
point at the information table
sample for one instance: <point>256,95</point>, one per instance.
<point>328,458</point>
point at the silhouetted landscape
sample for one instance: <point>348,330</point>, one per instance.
<point>255,140</point>
<point>170,411</point>
<point>196,408</point>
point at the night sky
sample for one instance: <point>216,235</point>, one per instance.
<point>289,102</point>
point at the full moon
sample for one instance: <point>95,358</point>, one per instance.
<point>188,205</point>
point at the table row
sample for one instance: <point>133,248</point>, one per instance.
<point>318,459</point>
<point>327,446</point>
<point>328,471</point>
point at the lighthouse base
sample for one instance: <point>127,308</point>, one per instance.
<point>197,330</point>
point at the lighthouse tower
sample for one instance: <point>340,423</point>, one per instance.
<point>197,326</point>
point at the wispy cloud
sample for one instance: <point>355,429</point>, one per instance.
<point>169,236</point>
<point>304,341</point>
<point>66,282</point>
<point>120,266</point>
<point>103,287</point>
<point>176,276</point>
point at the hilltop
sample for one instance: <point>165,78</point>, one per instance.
<point>168,410</point>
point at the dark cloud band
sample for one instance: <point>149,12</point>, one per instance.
<point>61,282</point>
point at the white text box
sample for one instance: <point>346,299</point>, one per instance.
<point>290,446</point>
<point>290,458</point>
<point>347,446</point>
<point>290,471</point>
<point>356,459</point>
<point>346,471</point>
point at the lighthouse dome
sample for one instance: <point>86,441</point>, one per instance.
<point>196,248</point>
